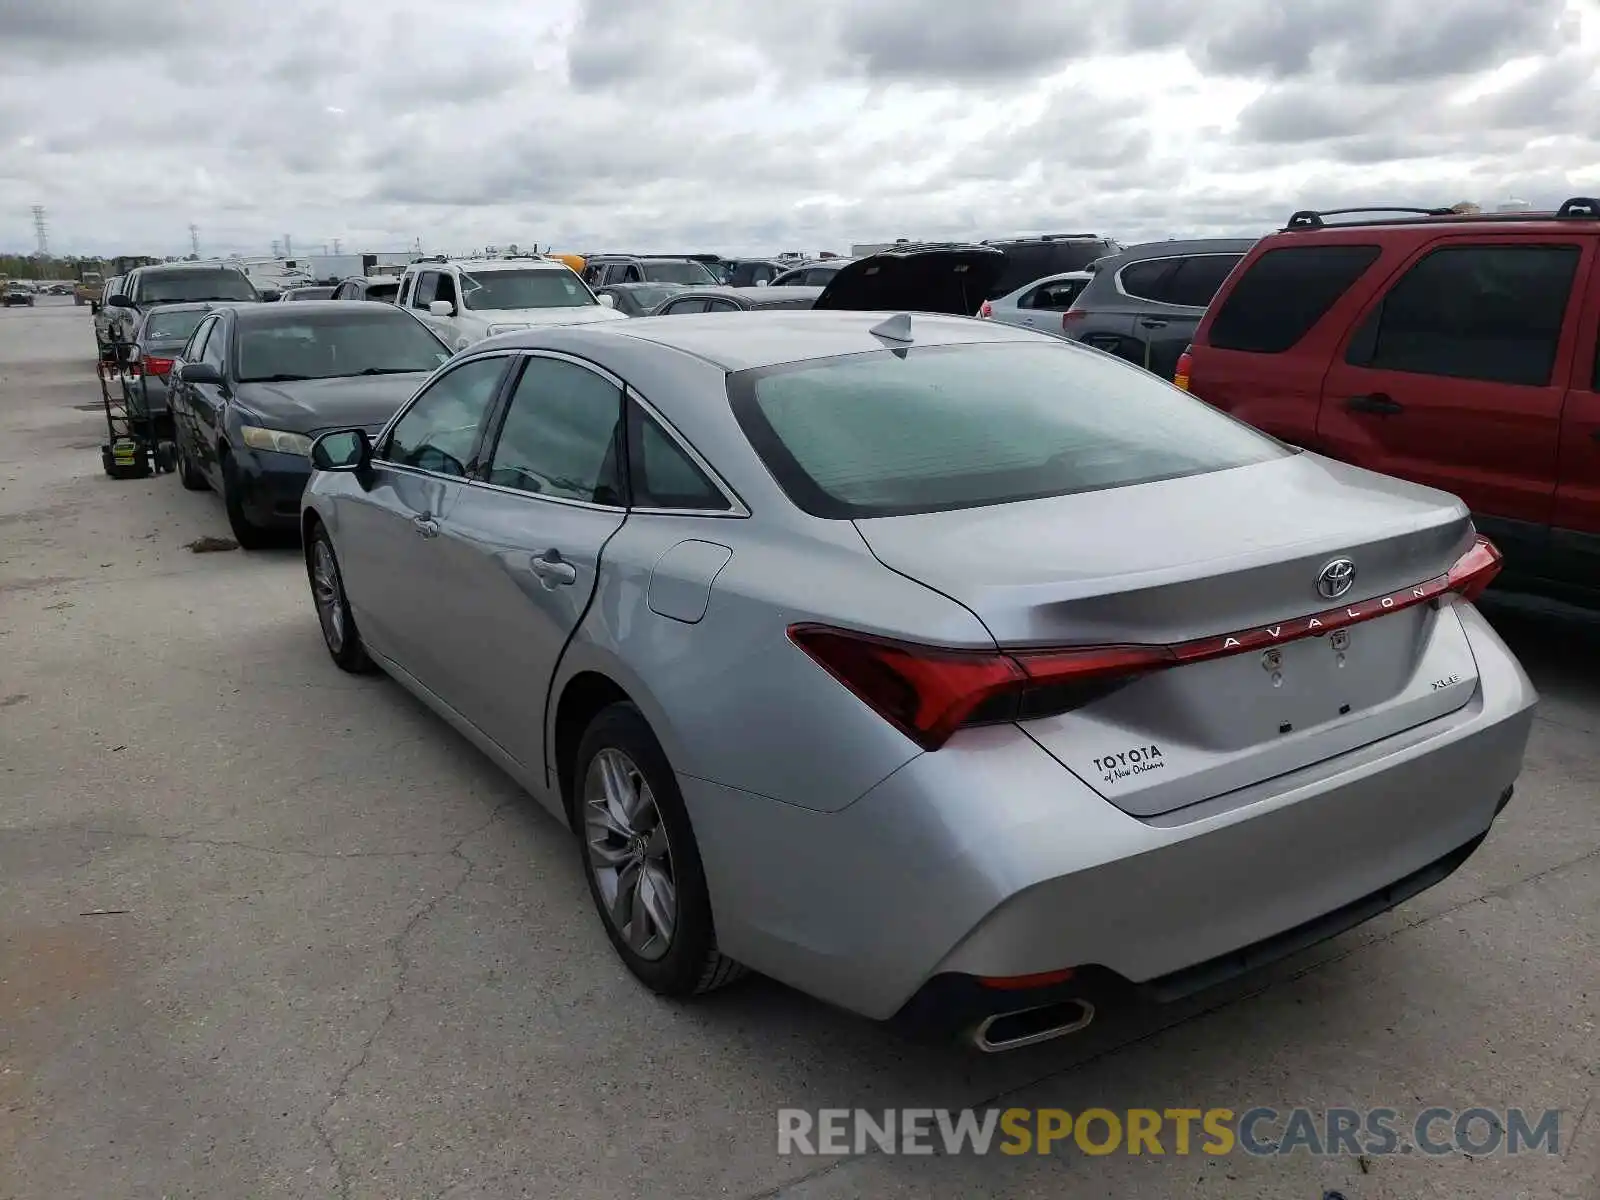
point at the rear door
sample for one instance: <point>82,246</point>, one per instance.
<point>1455,373</point>
<point>1575,523</point>
<point>521,549</point>
<point>388,539</point>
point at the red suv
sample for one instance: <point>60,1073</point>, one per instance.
<point>1455,350</point>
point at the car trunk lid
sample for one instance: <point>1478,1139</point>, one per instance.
<point>932,277</point>
<point>1225,568</point>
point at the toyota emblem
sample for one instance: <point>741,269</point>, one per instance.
<point>1337,578</point>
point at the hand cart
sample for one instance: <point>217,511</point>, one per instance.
<point>135,447</point>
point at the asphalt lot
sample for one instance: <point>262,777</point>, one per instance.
<point>334,952</point>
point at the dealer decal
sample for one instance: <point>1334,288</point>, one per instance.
<point>1125,764</point>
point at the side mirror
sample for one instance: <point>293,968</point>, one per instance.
<point>441,308</point>
<point>200,372</point>
<point>608,301</point>
<point>342,450</point>
<point>268,295</point>
<point>118,302</point>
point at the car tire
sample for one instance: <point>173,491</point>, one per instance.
<point>627,854</point>
<point>246,532</point>
<point>191,478</point>
<point>339,632</point>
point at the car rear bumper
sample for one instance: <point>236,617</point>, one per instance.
<point>270,487</point>
<point>987,860</point>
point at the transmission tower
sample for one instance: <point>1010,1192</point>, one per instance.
<point>288,246</point>
<point>194,239</point>
<point>336,242</point>
<point>41,231</point>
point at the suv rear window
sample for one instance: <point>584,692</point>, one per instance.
<point>179,287</point>
<point>892,432</point>
<point>1030,260</point>
<point>1284,293</point>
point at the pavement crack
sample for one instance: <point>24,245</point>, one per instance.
<point>402,971</point>
<point>183,839</point>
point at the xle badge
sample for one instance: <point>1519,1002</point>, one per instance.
<point>1125,764</point>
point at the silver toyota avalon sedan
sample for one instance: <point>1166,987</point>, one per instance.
<point>947,671</point>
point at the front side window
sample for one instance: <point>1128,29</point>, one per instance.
<point>1055,297</point>
<point>892,432</point>
<point>424,290</point>
<point>694,304</point>
<point>439,431</point>
<point>216,351</point>
<point>559,438</point>
<point>547,288</point>
<point>197,340</point>
<point>1473,312</point>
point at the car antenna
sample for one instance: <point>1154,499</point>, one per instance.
<point>896,329</point>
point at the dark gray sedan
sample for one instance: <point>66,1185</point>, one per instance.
<point>257,382</point>
<point>159,337</point>
<point>733,299</point>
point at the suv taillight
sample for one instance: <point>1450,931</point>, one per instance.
<point>1071,315</point>
<point>986,311</point>
<point>1185,365</point>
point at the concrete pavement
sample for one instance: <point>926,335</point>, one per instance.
<point>270,930</point>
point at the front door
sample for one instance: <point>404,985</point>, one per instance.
<point>525,545</point>
<point>388,536</point>
<point>1455,376</point>
<point>206,401</point>
<point>1575,524</point>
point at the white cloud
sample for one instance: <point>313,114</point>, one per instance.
<point>724,125</point>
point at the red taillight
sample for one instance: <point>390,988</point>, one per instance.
<point>1185,366</point>
<point>986,311</point>
<point>159,366</point>
<point>1071,315</point>
<point>928,692</point>
<point>1475,570</point>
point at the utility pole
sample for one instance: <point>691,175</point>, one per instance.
<point>41,231</point>
<point>194,239</point>
<point>275,245</point>
<point>336,245</point>
<point>288,246</point>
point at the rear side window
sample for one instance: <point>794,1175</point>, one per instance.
<point>1147,280</point>
<point>1194,281</point>
<point>1284,293</point>
<point>894,431</point>
<point>1473,312</point>
<point>661,475</point>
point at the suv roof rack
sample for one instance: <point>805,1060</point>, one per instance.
<point>1041,237</point>
<point>1578,208</point>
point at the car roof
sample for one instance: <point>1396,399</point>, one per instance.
<point>181,306</point>
<point>742,341</point>
<point>481,265</point>
<point>640,283</point>
<point>185,267</point>
<point>1175,248</point>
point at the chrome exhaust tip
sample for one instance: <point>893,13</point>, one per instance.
<point>1030,1026</point>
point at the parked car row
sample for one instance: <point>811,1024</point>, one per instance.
<point>653,564</point>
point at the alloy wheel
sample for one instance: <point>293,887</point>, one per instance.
<point>630,854</point>
<point>328,594</point>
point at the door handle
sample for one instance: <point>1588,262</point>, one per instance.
<point>553,570</point>
<point>1152,323</point>
<point>1378,403</point>
<point>425,525</point>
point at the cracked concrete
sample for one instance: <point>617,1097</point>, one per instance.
<point>340,955</point>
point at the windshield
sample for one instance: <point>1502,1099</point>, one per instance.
<point>172,326</point>
<point>179,286</point>
<point>362,340</point>
<point>894,431</point>
<point>546,288</point>
<point>686,271</point>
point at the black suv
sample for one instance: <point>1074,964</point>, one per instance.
<point>1145,303</point>
<point>1030,258</point>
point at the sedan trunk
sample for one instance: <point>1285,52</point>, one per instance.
<point>1228,567</point>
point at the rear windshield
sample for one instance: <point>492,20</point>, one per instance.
<point>1284,293</point>
<point>178,287</point>
<point>172,326</point>
<point>383,291</point>
<point>892,432</point>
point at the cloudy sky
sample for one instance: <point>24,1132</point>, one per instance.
<point>731,125</point>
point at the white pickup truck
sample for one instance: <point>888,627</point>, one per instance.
<point>467,300</point>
